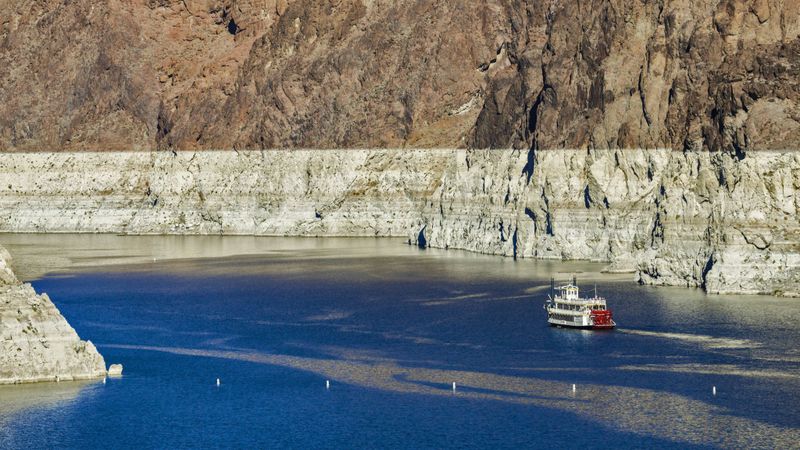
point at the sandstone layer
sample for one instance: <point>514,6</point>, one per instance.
<point>702,219</point>
<point>720,75</point>
<point>37,342</point>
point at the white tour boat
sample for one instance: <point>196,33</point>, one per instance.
<point>567,309</point>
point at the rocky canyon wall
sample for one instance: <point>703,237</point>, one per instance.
<point>671,218</point>
<point>575,87</point>
<point>719,75</point>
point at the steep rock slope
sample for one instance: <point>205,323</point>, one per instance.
<point>687,219</point>
<point>37,342</point>
<point>103,74</point>
<point>194,74</point>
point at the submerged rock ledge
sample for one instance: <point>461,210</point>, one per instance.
<point>37,342</point>
<point>701,219</point>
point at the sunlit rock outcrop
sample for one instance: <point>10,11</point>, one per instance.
<point>36,342</point>
<point>673,218</point>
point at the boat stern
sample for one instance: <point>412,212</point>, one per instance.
<point>603,320</point>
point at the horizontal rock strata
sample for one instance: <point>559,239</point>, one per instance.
<point>36,342</point>
<point>703,219</point>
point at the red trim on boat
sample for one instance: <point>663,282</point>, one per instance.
<point>602,319</point>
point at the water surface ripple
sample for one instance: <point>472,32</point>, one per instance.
<point>393,327</point>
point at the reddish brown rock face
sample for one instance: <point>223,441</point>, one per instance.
<point>203,74</point>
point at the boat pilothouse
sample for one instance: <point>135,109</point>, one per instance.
<point>566,308</point>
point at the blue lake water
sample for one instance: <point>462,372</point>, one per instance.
<point>392,327</point>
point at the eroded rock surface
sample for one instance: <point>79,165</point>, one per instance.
<point>36,342</point>
<point>672,218</point>
<point>202,74</point>
<point>715,81</point>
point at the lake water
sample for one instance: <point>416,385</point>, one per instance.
<point>392,327</point>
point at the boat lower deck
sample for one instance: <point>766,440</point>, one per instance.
<point>578,321</point>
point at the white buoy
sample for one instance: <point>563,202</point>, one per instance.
<point>217,382</point>
<point>573,388</point>
<point>104,380</point>
<point>714,390</point>
<point>327,384</point>
<point>454,386</point>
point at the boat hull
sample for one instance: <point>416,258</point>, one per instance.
<point>583,327</point>
<point>596,320</point>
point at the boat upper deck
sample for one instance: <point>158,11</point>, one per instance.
<point>569,298</point>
